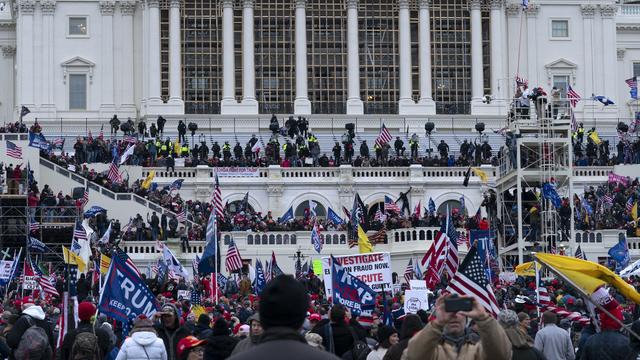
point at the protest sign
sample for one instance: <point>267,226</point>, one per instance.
<point>415,300</point>
<point>317,267</point>
<point>5,269</point>
<point>508,277</point>
<point>237,172</point>
<point>350,291</point>
<point>184,294</point>
<point>418,285</point>
<point>30,283</point>
<point>374,269</point>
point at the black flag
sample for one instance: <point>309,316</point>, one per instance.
<point>467,175</point>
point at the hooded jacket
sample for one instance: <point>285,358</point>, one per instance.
<point>143,345</point>
<point>283,343</point>
<point>219,344</point>
<point>172,336</point>
<point>251,340</point>
<point>36,313</point>
<point>104,342</point>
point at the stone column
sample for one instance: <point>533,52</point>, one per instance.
<point>607,13</point>
<point>354,102</point>
<point>248,57</point>
<point>124,74</point>
<point>497,55</point>
<point>48,8</point>
<point>424,38</point>
<point>7,74</point>
<point>228,61</point>
<point>588,11</point>
<point>531,42</point>
<point>175,54</point>
<point>154,52</point>
<point>107,105</point>
<point>25,55</point>
<point>404,54</point>
<point>145,53</point>
<point>302,105</point>
<point>477,80</point>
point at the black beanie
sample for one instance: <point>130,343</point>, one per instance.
<point>283,303</point>
<point>220,327</point>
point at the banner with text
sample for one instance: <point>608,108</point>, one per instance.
<point>237,172</point>
<point>373,269</point>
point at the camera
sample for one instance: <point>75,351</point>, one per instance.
<point>454,304</point>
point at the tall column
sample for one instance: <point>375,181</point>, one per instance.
<point>424,38</point>
<point>588,12</point>
<point>532,44</point>
<point>607,13</point>
<point>404,53</point>
<point>228,60</point>
<point>497,82</point>
<point>124,74</point>
<point>25,59</point>
<point>248,57</point>
<point>48,10</point>
<point>7,73</point>
<point>175,52</point>
<point>107,9</point>
<point>354,102</point>
<point>154,52</point>
<point>302,105</point>
<point>477,81</point>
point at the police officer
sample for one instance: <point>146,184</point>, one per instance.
<point>226,151</point>
<point>413,145</point>
<point>184,150</point>
<point>443,149</point>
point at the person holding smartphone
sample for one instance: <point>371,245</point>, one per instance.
<point>446,337</point>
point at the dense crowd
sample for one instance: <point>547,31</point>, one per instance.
<point>608,206</point>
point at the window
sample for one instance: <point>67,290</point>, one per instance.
<point>636,68</point>
<point>78,26</point>
<point>77,92</point>
<point>561,82</point>
<point>559,29</point>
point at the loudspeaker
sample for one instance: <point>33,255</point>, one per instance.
<point>77,193</point>
<point>480,127</point>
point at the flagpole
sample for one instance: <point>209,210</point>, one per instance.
<point>535,268</point>
<point>586,296</point>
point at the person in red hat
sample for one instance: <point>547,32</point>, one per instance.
<point>74,345</point>
<point>190,348</point>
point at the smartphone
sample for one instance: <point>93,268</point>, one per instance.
<point>455,304</point>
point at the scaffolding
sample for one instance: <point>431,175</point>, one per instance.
<point>538,151</point>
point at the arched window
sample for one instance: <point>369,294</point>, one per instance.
<point>452,204</point>
<point>235,206</point>
<point>321,212</point>
<point>374,207</point>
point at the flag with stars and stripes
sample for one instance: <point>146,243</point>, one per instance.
<point>130,139</point>
<point>451,263</point>
<point>14,150</point>
<point>629,205</point>
<point>114,173</point>
<point>390,205</point>
<point>124,257</point>
<point>195,298</point>
<point>409,272</point>
<point>520,81</point>
<point>34,226</point>
<point>384,136</point>
<point>573,96</point>
<point>233,261</point>
<point>379,217</point>
<point>471,280</point>
<point>84,199</point>
<point>632,82</point>
<point>379,236</point>
<point>79,232</point>
<point>44,281</point>
<point>217,199</point>
<point>182,215</point>
<point>579,254</point>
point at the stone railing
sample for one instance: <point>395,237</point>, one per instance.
<point>629,10</point>
<point>14,136</point>
<point>599,171</point>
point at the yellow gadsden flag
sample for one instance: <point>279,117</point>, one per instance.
<point>634,212</point>
<point>363,242</point>
<point>147,182</point>
<point>481,174</point>
<point>526,269</point>
<point>105,262</point>
<point>587,275</point>
<point>73,259</point>
<point>596,139</point>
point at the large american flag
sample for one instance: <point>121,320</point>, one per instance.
<point>580,254</point>
<point>379,217</point>
<point>390,205</point>
<point>384,136</point>
<point>124,257</point>
<point>573,96</point>
<point>471,280</point>
<point>217,199</point>
<point>44,281</point>
<point>408,272</point>
<point>451,263</point>
<point>85,198</point>
<point>233,261</point>
<point>379,236</point>
<point>114,173</point>
<point>14,150</point>
<point>129,139</point>
<point>79,232</point>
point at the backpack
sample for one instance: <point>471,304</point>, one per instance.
<point>359,350</point>
<point>34,343</point>
<point>85,346</point>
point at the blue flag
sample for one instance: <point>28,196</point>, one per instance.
<point>37,140</point>
<point>125,295</point>
<point>222,281</point>
<point>288,216</point>
<point>604,100</point>
<point>36,245</point>
<point>163,270</point>
<point>334,218</point>
<point>176,184</point>
<point>350,291</point>
<point>620,253</point>
<point>207,264</point>
<point>486,251</point>
<point>549,192</point>
<point>259,282</point>
<point>316,241</point>
<point>432,206</point>
<point>93,211</point>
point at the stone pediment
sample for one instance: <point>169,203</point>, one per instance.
<point>561,67</point>
<point>561,64</point>
<point>78,65</point>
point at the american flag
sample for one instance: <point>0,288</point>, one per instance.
<point>379,236</point>
<point>195,298</point>
<point>629,204</point>
<point>451,264</point>
<point>14,150</point>
<point>114,173</point>
<point>579,254</point>
<point>408,271</point>
<point>379,217</point>
<point>471,280</point>
<point>543,296</point>
<point>390,205</point>
<point>34,226</point>
<point>101,134</point>
<point>268,271</point>
<point>633,82</point>
<point>58,142</point>
<point>352,242</point>
<point>573,96</point>
<point>521,81</point>
<point>233,261</point>
<point>124,257</point>
<point>182,216</point>
<point>217,199</point>
<point>130,139</point>
<point>607,199</point>
<point>63,320</point>
<point>44,281</point>
<point>85,198</point>
<point>79,232</point>
<point>384,136</point>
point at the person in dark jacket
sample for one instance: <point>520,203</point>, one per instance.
<point>161,121</point>
<point>219,344</point>
<point>410,326</point>
<point>609,343</point>
<point>521,347</point>
<point>338,336</point>
<point>86,311</point>
<point>169,329</point>
<point>255,333</point>
<point>31,314</point>
<point>283,306</point>
<point>182,131</point>
<point>203,327</point>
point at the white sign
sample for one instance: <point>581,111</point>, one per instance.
<point>508,277</point>
<point>418,285</point>
<point>30,283</point>
<point>5,269</point>
<point>374,269</point>
<point>237,172</point>
<point>415,300</point>
<point>179,162</point>
<point>184,294</point>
